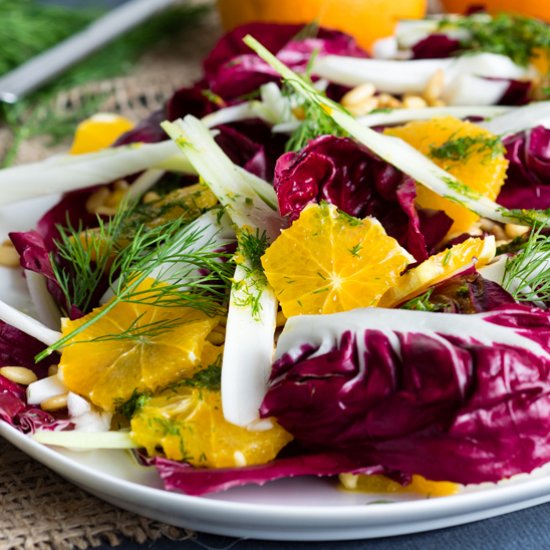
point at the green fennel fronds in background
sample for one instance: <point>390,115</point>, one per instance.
<point>28,27</point>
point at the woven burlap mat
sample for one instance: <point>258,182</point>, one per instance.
<point>38,509</point>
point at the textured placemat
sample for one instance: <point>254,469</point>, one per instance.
<point>38,509</point>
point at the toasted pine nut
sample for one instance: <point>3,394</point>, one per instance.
<point>435,86</point>
<point>8,255</point>
<point>106,210</point>
<point>216,338</point>
<point>387,100</point>
<point>97,199</point>
<point>414,102</point>
<point>359,109</point>
<point>358,94</point>
<point>52,370</point>
<point>120,185</point>
<point>55,403</point>
<point>513,230</point>
<point>492,228</point>
<point>19,375</point>
<point>437,103</point>
<point>149,197</point>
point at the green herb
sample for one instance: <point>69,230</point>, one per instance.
<point>209,378</point>
<point>421,303</point>
<point>515,36</point>
<point>184,276</point>
<point>527,274</point>
<point>354,250</point>
<point>456,149</point>
<point>30,27</point>
<point>133,405</point>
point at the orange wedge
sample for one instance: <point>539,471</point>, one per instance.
<point>122,352</point>
<point>328,261</point>
<point>468,152</point>
<point>99,132</point>
<point>382,484</point>
<point>439,267</point>
<point>188,424</point>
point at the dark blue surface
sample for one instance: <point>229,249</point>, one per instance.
<point>525,530</point>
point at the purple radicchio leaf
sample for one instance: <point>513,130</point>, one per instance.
<point>232,70</point>
<point>465,398</point>
<point>348,175</point>
<point>198,481</point>
<point>435,46</point>
<point>528,180</point>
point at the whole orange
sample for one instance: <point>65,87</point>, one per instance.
<point>533,8</point>
<point>366,20</point>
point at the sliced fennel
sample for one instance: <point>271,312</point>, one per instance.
<point>399,116</point>
<point>44,304</point>
<point>85,440</point>
<point>71,172</point>
<point>400,154</point>
<point>27,324</point>
<point>249,202</point>
<point>413,76</point>
<point>522,118</point>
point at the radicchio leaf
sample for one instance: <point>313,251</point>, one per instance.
<point>348,175</point>
<point>528,181</point>
<point>463,398</point>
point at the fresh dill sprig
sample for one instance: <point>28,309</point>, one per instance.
<point>184,272</point>
<point>421,303</point>
<point>518,37</point>
<point>133,405</point>
<point>460,148</point>
<point>82,259</point>
<point>252,247</point>
<point>527,273</point>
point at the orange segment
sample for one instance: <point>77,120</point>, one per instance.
<point>382,484</point>
<point>328,261</point>
<point>468,152</point>
<point>188,424</point>
<point>365,20</point>
<point>106,367</point>
<point>439,267</point>
<point>98,132</point>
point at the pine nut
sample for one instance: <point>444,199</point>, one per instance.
<point>414,102</point>
<point>493,229</point>
<point>55,403</point>
<point>216,338</point>
<point>513,230</point>
<point>149,197</point>
<point>8,255</point>
<point>52,370</point>
<point>358,94</point>
<point>120,185</point>
<point>359,109</point>
<point>435,86</point>
<point>105,210</point>
<point>19,375</point>
<point>387,100</point>
<point>97,199</point>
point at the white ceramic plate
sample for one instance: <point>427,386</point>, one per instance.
<point>292,509</point>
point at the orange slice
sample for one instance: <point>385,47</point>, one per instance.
<point>468,152</point>
<point>382,484</point>
<point>439,267</point>
<point>328,261</point>
<point>188,424</point>
<point>98,132</point>
<point>106,367</point>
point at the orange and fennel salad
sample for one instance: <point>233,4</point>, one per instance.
<point>312,262</point>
